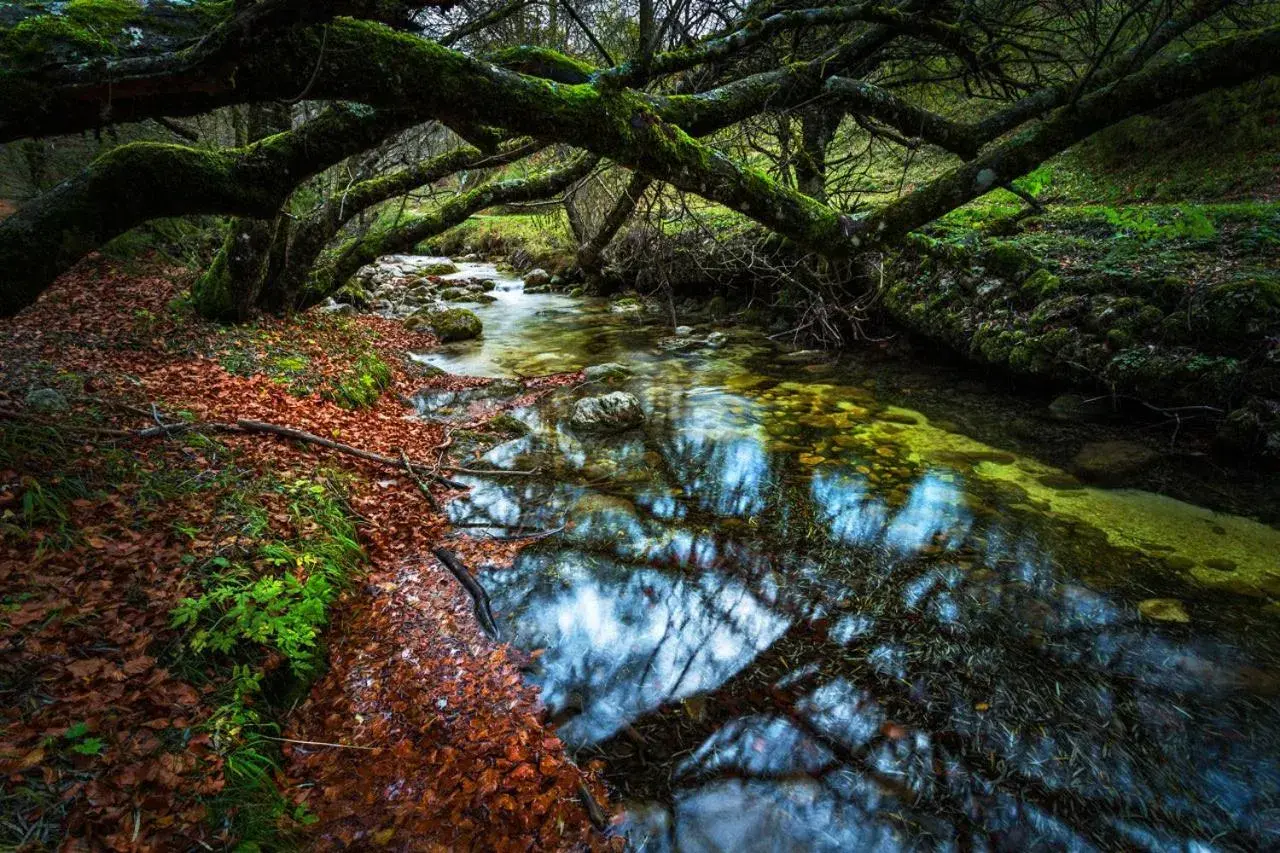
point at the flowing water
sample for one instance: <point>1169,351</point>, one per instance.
<point>791,616</point>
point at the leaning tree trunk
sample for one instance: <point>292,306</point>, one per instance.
<point>591,251</point>
<point>817,129</point>
<point>236,283</point>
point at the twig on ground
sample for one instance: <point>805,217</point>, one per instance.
<point>480,598</point>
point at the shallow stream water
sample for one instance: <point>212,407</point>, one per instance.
<point>792,616</point>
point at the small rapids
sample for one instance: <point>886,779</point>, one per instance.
<point>792,615</point>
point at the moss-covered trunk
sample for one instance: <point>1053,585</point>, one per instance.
<point>242,274</point>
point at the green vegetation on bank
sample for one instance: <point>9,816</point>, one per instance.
<point>264,556</point>
<point>354,377</point>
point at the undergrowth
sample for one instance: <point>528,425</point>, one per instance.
<point>256,626</point>
<point>264,557</point>
<point>347,371</point>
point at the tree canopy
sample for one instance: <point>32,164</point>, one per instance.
<point>660,89</point>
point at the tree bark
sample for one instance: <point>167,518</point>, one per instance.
<point>591,253</point>
<point>236,282</point>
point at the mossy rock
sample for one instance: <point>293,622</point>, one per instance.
<point>1007,261</point>
<point>508,424</point>
<point>451,324</point>
<point>1242,307</point>
<point>438,268</point>
<point>1041,285</point>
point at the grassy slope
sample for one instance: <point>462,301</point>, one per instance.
<point>1151,271</point>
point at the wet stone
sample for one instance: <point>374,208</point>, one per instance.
<point>1110,462</point>
<point>608,413</point>
<point>1164,610</point>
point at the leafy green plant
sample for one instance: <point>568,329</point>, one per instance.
<point>280,600</point>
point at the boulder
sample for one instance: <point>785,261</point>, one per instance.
<point>537,278</point>
<point>608,413</point>
<point>438,268</point>
<point>1253,430</point>
<point>1112,461</point>
<point>453,294</point>
<point>46,401</point>
<point>450,324</point>
<point>605,372</point>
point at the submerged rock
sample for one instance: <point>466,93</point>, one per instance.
<point>1164,610</point>
<point>803,356</point>
<point>451,324</point>
<point>46,401</point>
<point>1077,407</point>
<point>608,413</point>
<point>607,371</point>
<point>1112,461</point>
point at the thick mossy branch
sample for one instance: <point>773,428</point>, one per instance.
<point>332,273</point>
<point>312,234</point>
<point>144,180</point>
<point>757,31</point>
<point>544,62</point>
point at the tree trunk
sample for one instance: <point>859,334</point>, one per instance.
<point>817,128</point>
<point>238,282</point>
<point>591,252</point>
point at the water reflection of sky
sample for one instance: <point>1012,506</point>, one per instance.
<point>777,656</point>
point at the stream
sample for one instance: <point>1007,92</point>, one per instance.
<point>789,613</point>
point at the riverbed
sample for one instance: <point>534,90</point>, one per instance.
<point>790,613</point>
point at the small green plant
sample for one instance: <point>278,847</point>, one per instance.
<point>361,386</point>
<point>76,739</point>
<point>1185,223</point>
<point>279,599</point>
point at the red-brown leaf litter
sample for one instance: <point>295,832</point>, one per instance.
<point>419,735</point>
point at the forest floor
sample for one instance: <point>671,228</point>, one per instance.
<point>209,637</point>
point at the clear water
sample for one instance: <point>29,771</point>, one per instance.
<point>791,617</point>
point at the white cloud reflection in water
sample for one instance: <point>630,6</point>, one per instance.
<point>622,640</point>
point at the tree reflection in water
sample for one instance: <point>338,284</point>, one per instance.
<point>773,656</point>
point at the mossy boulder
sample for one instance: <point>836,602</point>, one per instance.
<point>537,278</point>
<point>450,324</point>
<point>1007,261</point>
<point>438,268</point>
<point>1041,285</point>
<point>1245,306</point>
<point>508,424</point>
